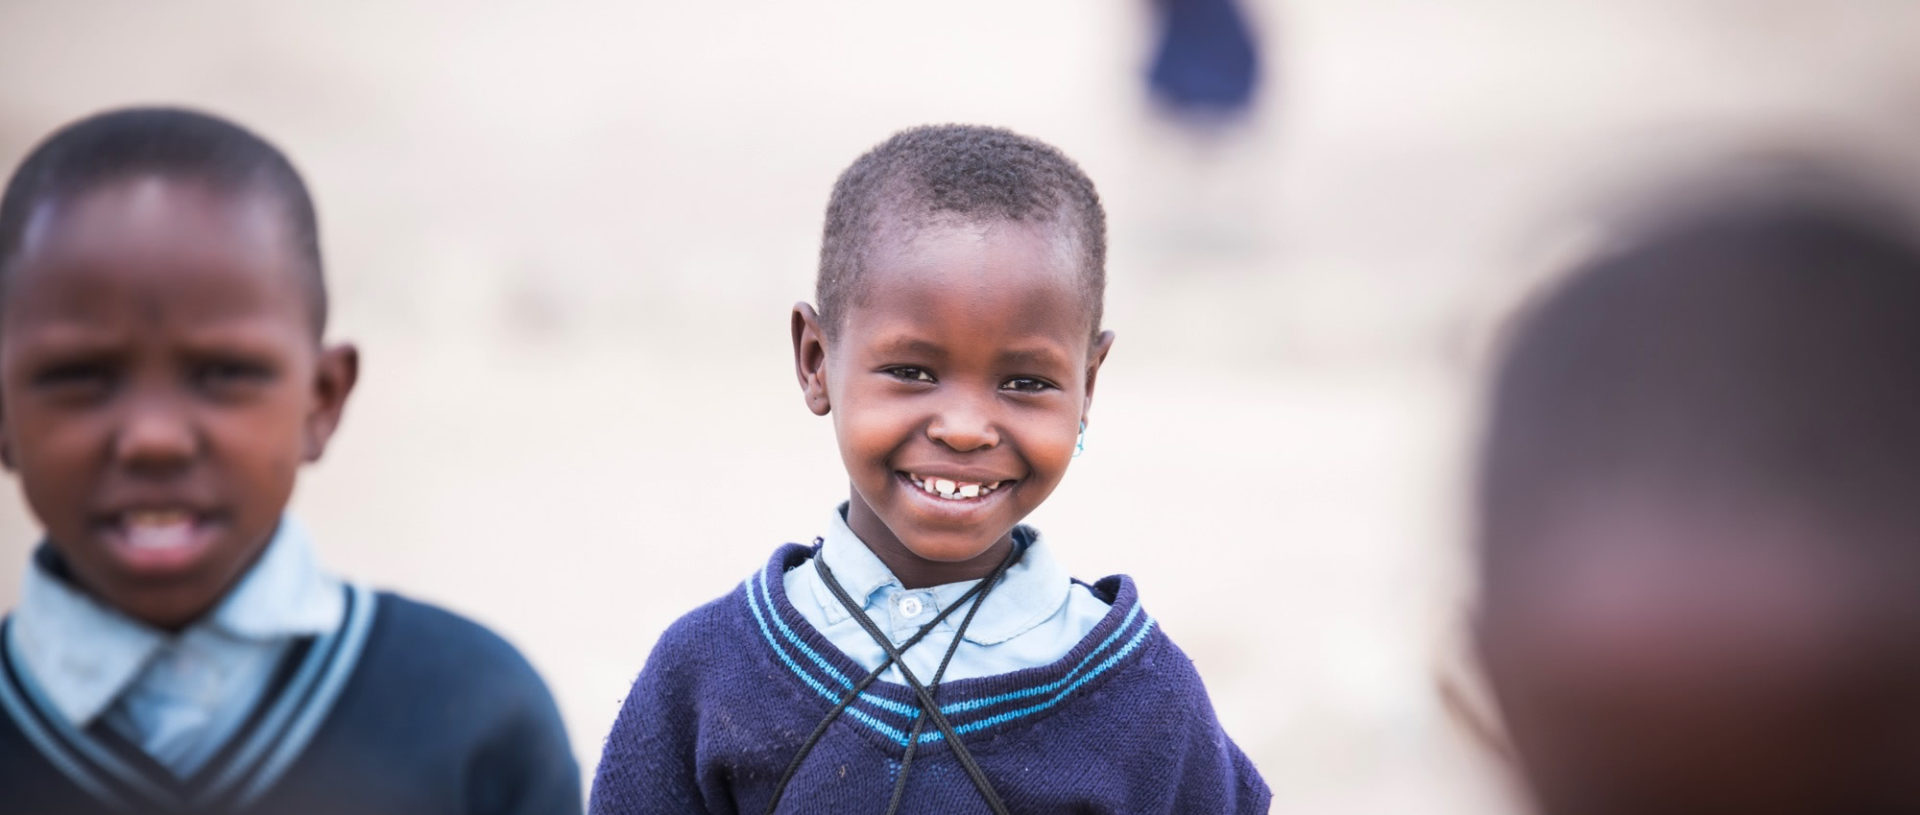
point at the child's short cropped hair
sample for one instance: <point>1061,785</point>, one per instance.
<point>171,142</point>
<point>971,172</point>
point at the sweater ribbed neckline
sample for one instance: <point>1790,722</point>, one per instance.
<point>979,707</point>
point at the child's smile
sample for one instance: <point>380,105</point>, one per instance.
<point>956,488</point>
<point>958,381</point>
<point>955,496</point>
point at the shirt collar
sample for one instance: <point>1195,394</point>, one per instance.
<point>1032,590</point>
<point>285,594</point>
<point>83,654</point>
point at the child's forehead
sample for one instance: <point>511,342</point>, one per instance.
<point>1683,552</point>
<point>149,206</point>
<point>151,239</point>
<point>952,243</point>
<point>153,221</point>
<point>956,272</point>
<point>1655,515</point>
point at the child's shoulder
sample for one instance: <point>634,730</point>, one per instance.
<point>1139,662</point>
<point>1129,634</point>
<point>426,643</point>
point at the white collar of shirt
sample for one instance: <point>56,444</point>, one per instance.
<point>84,654</point>
<point>1032,590</point>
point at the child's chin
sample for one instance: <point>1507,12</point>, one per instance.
<point>161,585</point>
<point>949,550</point>
<point>169,603</point>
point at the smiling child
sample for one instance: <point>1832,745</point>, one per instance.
<point>929,653</point>
<point>178,647</point>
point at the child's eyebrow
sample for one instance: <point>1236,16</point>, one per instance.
<point>1033,357</point>
<point>1044,357</point>
<point>909,346</point>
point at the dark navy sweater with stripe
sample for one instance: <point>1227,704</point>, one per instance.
<point>405,709</point>
<point>1122,724</point>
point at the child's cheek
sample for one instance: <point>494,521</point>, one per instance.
<point>56,466</point>
<point>259,450</point>
<point>864,445</point>
<point>1051,451</point>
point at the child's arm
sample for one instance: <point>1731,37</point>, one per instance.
<point>1214,775</point>
<point>525,764</point>
<point>649,762</point>
<point>453,679</point>
<point>527,768</point>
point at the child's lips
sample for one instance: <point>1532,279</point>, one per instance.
<point>159,540</point>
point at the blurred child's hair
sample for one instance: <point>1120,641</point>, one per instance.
<point>972,172</point>
<point>169,142</point>
<point>1699,494</point>
<point>1767,345</point>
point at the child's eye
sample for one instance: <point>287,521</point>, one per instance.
<point>1027,384</point>
<point>911,373</point>
<point>74,378</point>
<point>231,373</point>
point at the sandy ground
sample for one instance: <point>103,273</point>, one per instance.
<point>565,236</point>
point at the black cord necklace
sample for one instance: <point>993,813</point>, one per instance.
<point>929,709</point>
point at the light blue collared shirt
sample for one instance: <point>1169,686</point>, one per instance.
<point>1032,618</point>
<point>178,696</point>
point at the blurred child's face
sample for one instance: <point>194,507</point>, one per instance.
<point>958,380</point>
<point>1664,656</point>
<point>160,384</point>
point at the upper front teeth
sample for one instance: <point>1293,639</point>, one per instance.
<point>158,529</point>
<point>954,489</point>
<point>157,517</point>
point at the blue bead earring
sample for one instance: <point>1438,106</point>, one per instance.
<point>1080,444</point>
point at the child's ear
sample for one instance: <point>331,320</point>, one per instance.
<point>333,381</point>
<point>810,358</point>
<point>6,446</point>
<point>1095,357</point>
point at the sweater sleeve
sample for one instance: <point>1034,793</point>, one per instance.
<point>650,761</point>
<point>525,766</point>
<point>528,767</point>
<point>1215,776</point>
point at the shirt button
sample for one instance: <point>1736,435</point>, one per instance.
<point>910,606</point>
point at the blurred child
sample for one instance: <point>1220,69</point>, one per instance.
<point>178,647</point>
<point>928,653</point>
<point>1700,520</point>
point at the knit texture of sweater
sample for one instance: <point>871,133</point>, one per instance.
<point>1121,724</point>
<point>404,710</point>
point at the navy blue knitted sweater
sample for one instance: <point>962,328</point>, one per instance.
<point>1121,724</point>
<point>404,710</point>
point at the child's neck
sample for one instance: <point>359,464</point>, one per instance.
<point>914,571</point>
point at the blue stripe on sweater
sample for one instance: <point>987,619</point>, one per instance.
<point>1027,711</point>
<point>814,656</point>
<point>759,580</point>
<point>1037,690</point>
<point>889,731</point>
<point>901,709</point>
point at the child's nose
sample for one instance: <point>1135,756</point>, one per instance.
<point>963,427</point>
<point>156,435</point>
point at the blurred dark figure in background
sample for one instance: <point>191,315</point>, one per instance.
<point>1700,520</point>
<point>1206,65</point>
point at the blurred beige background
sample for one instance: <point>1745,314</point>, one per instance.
<point>566,236</point>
